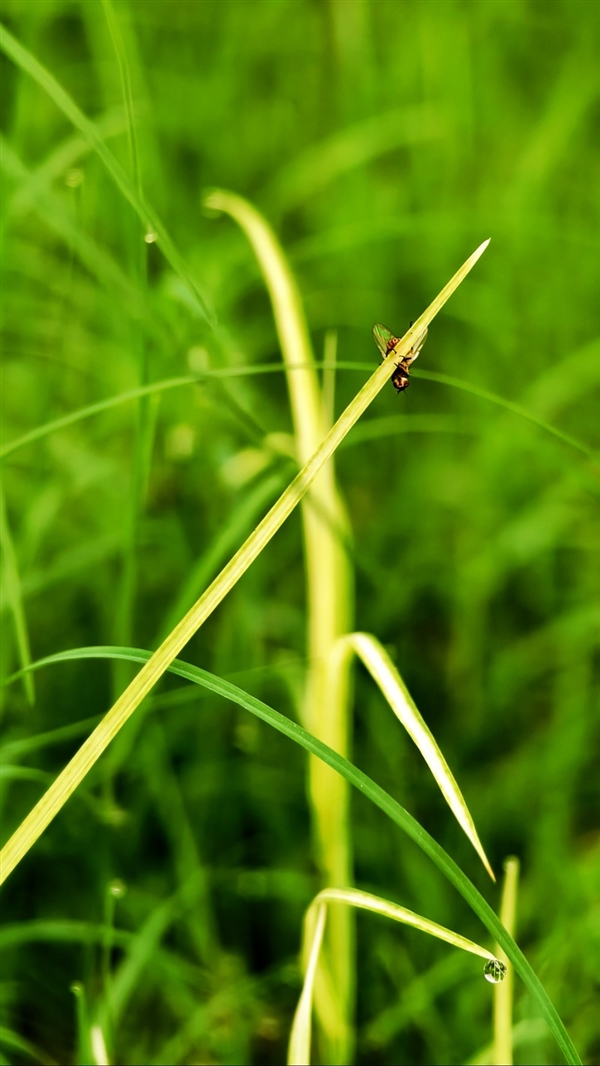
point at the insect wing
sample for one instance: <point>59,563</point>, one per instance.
<point>416,348</point>
<point>384,340</point>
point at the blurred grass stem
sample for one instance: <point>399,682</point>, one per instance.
<point>12,583</point>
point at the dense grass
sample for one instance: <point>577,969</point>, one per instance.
<point>383,141</point>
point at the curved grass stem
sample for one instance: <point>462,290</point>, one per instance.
<point>328,594</point>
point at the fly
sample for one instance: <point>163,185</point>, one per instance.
<point>386,342</point>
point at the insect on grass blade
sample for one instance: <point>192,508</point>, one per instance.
<point>386,342</point>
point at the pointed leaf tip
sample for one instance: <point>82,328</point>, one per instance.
<point>482,247</point>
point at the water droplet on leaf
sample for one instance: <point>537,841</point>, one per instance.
<point>494,971</point>
<point>150,237</point>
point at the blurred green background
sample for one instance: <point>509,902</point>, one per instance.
<point>383,140</point>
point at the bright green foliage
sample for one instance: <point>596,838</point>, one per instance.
<point>383,141</point>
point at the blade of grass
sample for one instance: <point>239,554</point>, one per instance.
<point>530,1030</point>
<point>503,992</point>
<point>367,787</point>
<point>19,1044</point>
<point>66,564</point>
<point>84,1048</point>
<point>146,405</point>
<point>14,598</point>
<point>121,54</point>
<point>24,59</point>
<point>425,423</point>
<point>147,390</point>
<point>329,365</point>
<point>179,829</point>
<point>93,409</point>
<point>66,931</point>
<point>485,394</point>
<point>516,408</point>
<point>566,381</point>
<point>354,897</point>
<point>390,425</point>
<point>299,1046</point>
<point>24,773</point>
<point>384,673</point>
<point>98,1045</point>
<point>142,947</point>
<point>15,749</point>
<point>57,163</point>
<point>96,259</point>
<point>243,518</point>
<point>140,471</point>
<point>329,594</point>
<point>353,147</point>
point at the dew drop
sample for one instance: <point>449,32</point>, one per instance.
<point>76,988</point>
<point>494,971</point>
<point>117,888</point>
<point>150,237</point>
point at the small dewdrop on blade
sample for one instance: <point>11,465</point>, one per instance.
<point>494,971</point>
<point>387,343</point>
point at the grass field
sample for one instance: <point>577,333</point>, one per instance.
<point>199,196</point>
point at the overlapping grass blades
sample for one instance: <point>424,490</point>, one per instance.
<point>384,673</point>
<point>314,924</point>
<point>75,771</point>
<point>384,426</point>
<point>372,791</point>
<point>150,220</point>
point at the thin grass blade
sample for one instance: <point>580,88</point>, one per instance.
<point>299,1046</point>
<point>24,59</point>
<point>504,991</point>
<point>353,897</point>
<point>15,600</point>
<point>386,676</point>
<point>515,408</point>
